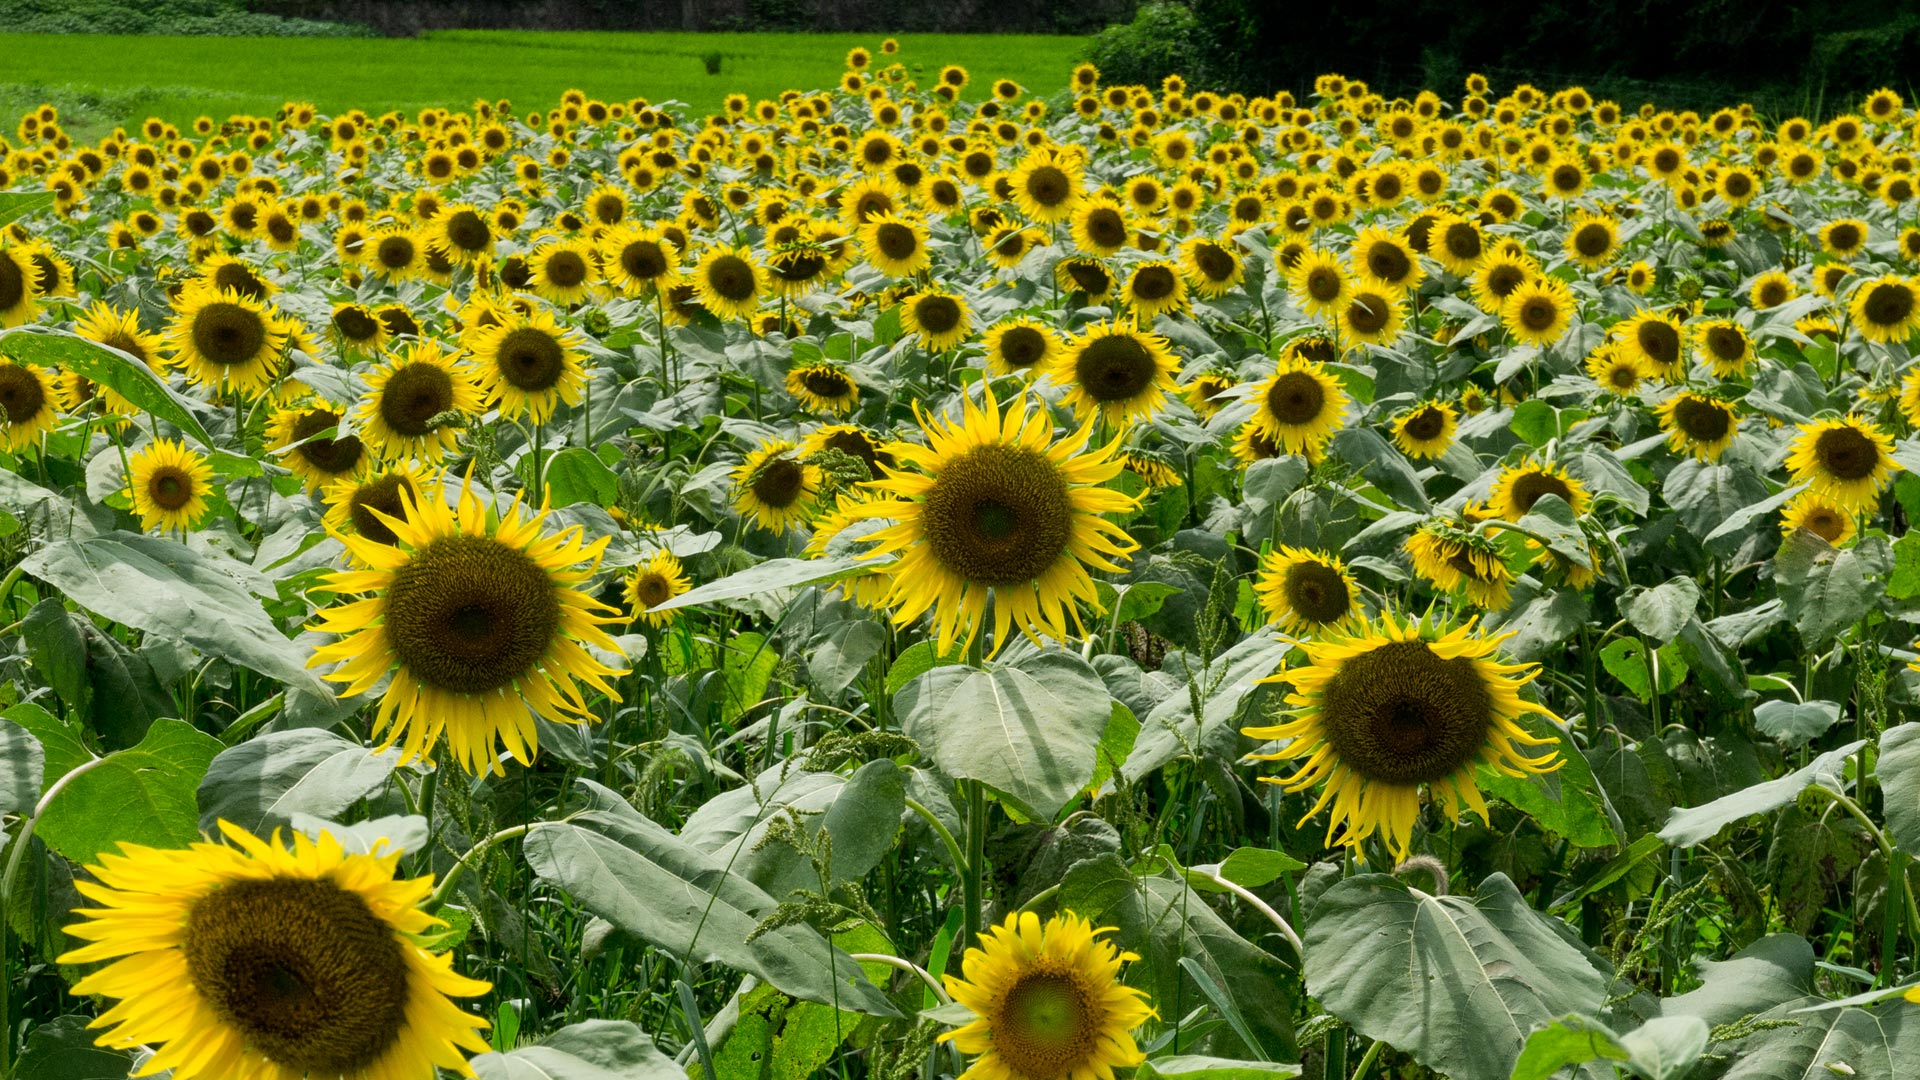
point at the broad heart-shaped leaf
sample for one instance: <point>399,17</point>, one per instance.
<point>167,589</point>
<point>1171,728</point>
<point>1662,1049</point>
<point>1660,612</point>
<point>1774,970</point>
<point>1824,590</point>
<point>1380,463</point>
<point>860,812</point>
<point>1795,722</point>
<point>1026,729</point>
<point>111,368</point>
<point>22,766</point>
<point>592,1050</point>
<point>575,475</point>
<point>1689,826</point>
<point>1456,982</point>
<point>1899,772</point>
<point>142,795</point>
<point>643,879</point>
<point>63,1049</point>
<point>766,577</point>
<point>1878,1043</point>
<point>263,782</point>
<point>1705,495</point>
<point>1196,1067</point>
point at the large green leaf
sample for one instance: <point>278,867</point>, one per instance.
<point>1197,1067</point>
<point>1879,1043</point>
<point>1027,729</point>
<point>168,589</point>
<point>766,577</point>
<point>15,205</point>
<point>1705,495</point>
<point>142,795</point>
<point>63,1049</point>
<point>111,368</point>
<point>1566,802</point>
<point>1776,969</point>
<point>861,813</point>
<point>592,1050</point>
<point>1689,826</point>
<point>1661,612</point>
<point>1456,982</point>
<point>643,879</point>
<point>1899,771</point>
<point>263,782</point>
<point>1171,728</point>
<point>1826,590</point>
<point>575,475</point>
<point>23,764</point>
<point>1665,1048</point>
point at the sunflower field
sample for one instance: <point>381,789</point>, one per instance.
<point>1051,584</point>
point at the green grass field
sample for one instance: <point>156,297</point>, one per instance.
<point>100,81</point>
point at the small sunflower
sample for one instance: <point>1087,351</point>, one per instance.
<point>29,404</point>
<point>1213,267</point>
<point>1886,309</point>
<point>561,272</point>
<point>1046,187</point>
<point>478,618</point>
<point>776,487</point>
<point>1518,488</point>
<point>1049,1002</point>
<point>1455,560</point>
<point>1772,289</point>
<point>854,442</point>
<point>1372,313</point>
<point>1393,706</point>
<point>396,253</point>
<point>1206,393</point>
<point>1387,257</point>
<point>273,962</point>
<point>638,261</point>
<point>1100,227</point>
<point>1845,238</point>
<point>1084,275</point>
<point>1655,339</point>
<point>1155,288</point>
<point>1251,443</point>
<point>1616,369</point>
<point>993,510</point>
<point>461,233</point>
<point>1457,243</point>
<point>359,330</point>
<point>168,484</point>
<point>1116,369</point>
<point>1819,515</point>
<point>1698,425</point>
<point>1301,405</point>
<point>19,293</point>
<point>1538,312</point>
<point>224,339</point>
<point>1592,240</point>
<point>1849,461</point>
<point>1426,430</point>
<point>530,363</point>
<point>895,245</point>
<point>1724,345</point>
<point>729,282</point>
<point>304,439</point>
<point>940,318</point>
<point>653,583</point>
<point>1304,592</point>
<point>120,330</point>
<point>1319,283</point>
<point>823,387</point>
<point>1021,346</point>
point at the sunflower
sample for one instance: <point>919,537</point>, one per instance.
<point>776,487</point>
<point>1212,267</point>
<point>1155,287</point>
<point>1454,559</point>
<point>869,589</point>
<point>637,260</point>
<point>994,506</point>
<point>530,363</point>
<point>1518,488</point>
<point>729,282</point>
<point>351,503</point>
<point>1819,515</point>
<point>561,272</point>
<point>1386,256</point>
<point>1116,369</point>
<point>415,404</point>
<point>1640,277</point>
<point>1151,470</point>
<point>255,959</point>
<point>1021,346</point>
<point>1591,240</point>
<point>1426,430</point>
<point>1699,425</point>
<point>854,442</point>
<point>395,253</point>
<point>1538,312</point>
<point>1049,1002</point>
<point>1395,704</point>
<point>479,619</point>
<point>1772,289</point>
<point>940,318</point>
<point>1206,393</point>
<point>1318,283</point>
<point>1084,275</point>
<point>1886,309</point>
<point>358,328</point>
<point>653,583</point>
<point>1656,340</point>
<point>1457,243</point>
<point>225,339</point>
<point>823,387</point>
<point>304,437</point>
<point>461,233</point>
<point>1845,238</point>
<point>1306,591</point>
<point>895,245</point>
<point>1100,227</point>
<point>1300,405</point>
<point>1848,461</point>
<point>1046,187</point>
<point>1616,369</point>
<point>1372,314</point>
<point>19,292</point>
<point>1724,345</point>
<point>28,404</point>
<point>1502,272</point>
<point>168,484</point>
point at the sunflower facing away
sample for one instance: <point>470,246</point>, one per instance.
<point>480,619</point>
<point>1305,591</point>
<point>1116,370</point>
<point>253,960</point>
<point>1849,461</point>
<point>1049,1002</point>
<point>1454,559</point>
<point>1394,705</point>
<point>994,507</point>
<point>168,484</point>
<point>823,387</point>
<point>653,583</point>
<point>413,401</point>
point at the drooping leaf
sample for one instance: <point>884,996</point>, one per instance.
<point>263,782</point>
<point>1826,590</point>
<point>575,475</point>
<point>592,1050</point>
<point>767,577</point>
<point>1200,1067</point>
<point>1898,769</point>
<point>1795,723</point>
<point>63,1049</point>
<point>114,369</point>
<point>1689,826</point>
<point>1661,611</point>
<point>1664,1048</point>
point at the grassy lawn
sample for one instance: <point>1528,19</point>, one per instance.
<point>101,81</point>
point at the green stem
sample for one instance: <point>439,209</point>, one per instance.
<point>974,883</point>
<point>445,888</point>
<point>1366,1060</point>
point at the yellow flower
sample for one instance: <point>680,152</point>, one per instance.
<point>1452,560</point>
<point>728,282</point>
<point>1021,346</point>
<point>823,387</point>
<point>1393,706</point>
<point>1155,288</point>
<point>1656,340</point>
<point>1886,309</point>
<point>1301,405</point>
<point>1213,267</point>
<point>1046,187</point>
<point>1591,240</point>
<point>940,318</point>
<point>1426,430</point>
<point>1848,461</point>
<point>1372,313</point>
<point>1699,425</point>
<point>1518,488</point>
<point>653,583</point>
<point>413,404</point>
<point>1117,370</point>
<point>261,961</point>
<point>225,339</point>
<point>19,291</point>
<point>776,488</point>
<point>1820,516</point>
<point>1305,591</point>
<point>29,404</point>
<point>561,271</point>
<point>896,246</point>
<point>1049,1002</point>
<point>529,362</point>
<point>303,437</point>
<point>1318,283</point>
<point>1539,311</point>
<point>351,503</point>
<point>638,261</point>
<point>168,484</point>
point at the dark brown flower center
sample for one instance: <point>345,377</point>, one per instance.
<point>228,333</point>
<point>998,515</point>
<point>1847,453</point>
<point>469,614</point>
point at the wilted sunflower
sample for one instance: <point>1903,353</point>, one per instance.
<point>1213,267</point>
<point>1656,340</point>
<point>1305,592</point>
<point>18,291</point>
<point>259,960</point>
<point>1698,425</point>
<point>653,583</point>
<point>637,260</point>
<point>1849,461</point>
<point>479,619</point>
<point>530,363</point>
<point>729,282</point>
<point>823,387</point>
<point>414,404</point>
<point>168,484</point>
<point>303,437</point>
<point>224,339</point>
<point>896,246</point>
<point>1021,346</point>
<point>1539,311</point>
<point>1301,405</point>
<point>351,503</point>
<point>1154,288</point>
<point>1820,516</point>
<point>561,272</point>
<point>1725,347</point>
<point>940,318</point>
<point>776,487</point>
<point>1151,470</point>
<point>1048,1001</point>
<point>995,507</point>
<point>1426,430</point>
<point>1394,705</point>
<point>1454,559</point>
<point>1886,309</point>
<point>1371,313</point>
<point>1519,487</point>
<point>1116,369</point>
<point>1318,283</point>
<point>29,404</point>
